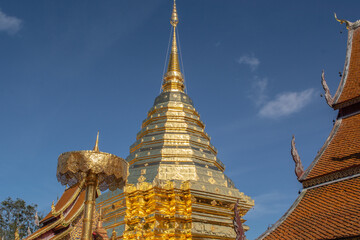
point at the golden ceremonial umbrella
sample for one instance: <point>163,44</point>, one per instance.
<point>97,169</point>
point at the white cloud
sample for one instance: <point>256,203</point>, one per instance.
<point>9,24</point>
<point>258,90</point>
<point>286,103</point>
<point>252,61</point>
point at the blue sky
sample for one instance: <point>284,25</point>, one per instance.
<point>71,68</point>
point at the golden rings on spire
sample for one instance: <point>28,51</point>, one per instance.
<point>174,17</point>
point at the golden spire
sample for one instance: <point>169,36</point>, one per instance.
<point>173,79</point>
<point>96,147</point>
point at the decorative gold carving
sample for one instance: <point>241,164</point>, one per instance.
<point>52,207</point>
<point>158,211</point>
<point>141,179</point>
<point>73,167</point>
<point>177,172</point>
<point>212,180</point>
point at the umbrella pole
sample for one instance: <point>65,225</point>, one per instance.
<point>90,195</point>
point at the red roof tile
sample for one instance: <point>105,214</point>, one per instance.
<point>349,87</point>
<point>64,200</point>
<point>325,212</point>
<point>342,152</point>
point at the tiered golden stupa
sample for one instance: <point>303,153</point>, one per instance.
<point>177,188</point>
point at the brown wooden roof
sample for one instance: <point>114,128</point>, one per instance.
<point>324,212</point>
<point>349,88</point>
<point>341,151</point>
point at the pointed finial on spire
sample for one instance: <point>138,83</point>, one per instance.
<point>174,17</point>
<point>173,79</point>
<point>96,147</point>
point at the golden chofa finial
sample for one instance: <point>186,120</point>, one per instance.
<point>341,21</point>
<point>174,17</point>
<point>96,147</point>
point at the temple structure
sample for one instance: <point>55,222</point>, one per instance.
<point>328,206</point>
<point>64,221</point>
<point>177,188</point>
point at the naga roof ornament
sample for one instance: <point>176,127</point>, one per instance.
<point>329,99</point>
<point>349,25</point>
<point>299,169</point>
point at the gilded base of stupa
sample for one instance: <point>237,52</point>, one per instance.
<point>171,210</point>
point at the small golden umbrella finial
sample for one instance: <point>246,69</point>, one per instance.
<point>96,147</point>
<point>174,17</point>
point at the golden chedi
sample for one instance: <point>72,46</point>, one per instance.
<point>176,187</point>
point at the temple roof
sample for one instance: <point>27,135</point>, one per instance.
<point>65,217</point>
<point>340,151</point>
<point>329,211</point>
<point>68,198</point>
<point>328,206</point>
<point>67,209</point>
<point>348,91</point>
